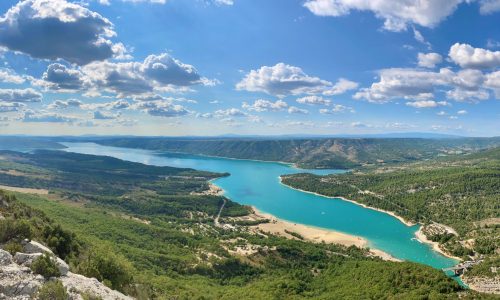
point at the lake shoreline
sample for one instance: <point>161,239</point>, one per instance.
<point>401,219</point>
<point>435,245</point>
<point>419,235</point>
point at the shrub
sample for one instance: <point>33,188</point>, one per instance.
<point>109,268</point>
<point>62,242</point>
<point>19,230</point>
<point>45,266</point>
<point>52,290</point>
<point>12,247</point>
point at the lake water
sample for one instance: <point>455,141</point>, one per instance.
<point>257,183</point>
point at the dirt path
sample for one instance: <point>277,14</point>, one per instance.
<point>216,220</point>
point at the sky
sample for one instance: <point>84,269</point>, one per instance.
<point>254,67</point>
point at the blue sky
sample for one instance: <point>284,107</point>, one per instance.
<point>210,67</point>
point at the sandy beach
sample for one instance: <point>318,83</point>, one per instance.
<point>313,234</point>
<point>435,245</point>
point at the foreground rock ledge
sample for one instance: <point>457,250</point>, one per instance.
<point>17,281</point>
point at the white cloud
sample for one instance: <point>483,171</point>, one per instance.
<point>337,108</point>
<point>467,56</point>
<point>11,106</point>
<point>418,85</point>
<point>420,38</point>
<point>230,112</point>
<point>100,115</point>
<point>114,105</point>
<point>9,76</point>
<point>442,113</point>
<point>296,110</point>
<point>493,81</point>
<point>20,95</point>
<point>403,83</point>
<point>57,29</point>
<point>160,108</point>
<point>397,14</point>
<point>60,77</point>
<point>361,125</point>
<point>429,60</point>
<point>31,116</point>
<point>427,103</point>
<point>224,2</point>
<point>62,104</point>
<point>282,80</point>
<point>314,100</point>
<point>462,95</point>
<point>262,105</point>
<point>461,112</point>
<point>489,6</point>
<point>341,86</point>
<point>157,72</point>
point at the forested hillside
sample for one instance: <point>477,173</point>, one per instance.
<point>460,191</point>
<point>154,238</point>
<point>343,153</point>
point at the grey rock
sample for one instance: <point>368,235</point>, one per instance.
<point>26,259</point>
<point>35,247</point>
<point>5,258</point>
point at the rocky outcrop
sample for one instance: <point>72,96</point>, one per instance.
<point>18,282</point>
<point>81,284</point>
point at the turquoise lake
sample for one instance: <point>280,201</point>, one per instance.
<point>257,183</point>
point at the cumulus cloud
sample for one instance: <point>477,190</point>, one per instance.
<point>11,106</point>
<point>461,112</point>
<point>113,105</point>
<point>60,77</point>
<point>340,87</point>
<point>157,72</point>
<point>20,95</point>
<point>57,29</point>
<point>9,76</point>
<point>337,108</point>
<point>296,110</point>
<point>429,60</point>
<point>493,81</point>
<point>62,104</point>
<point>397,15</point>
<point>418,85</point>
<point>31,116</point>
<point>467,56</point>
<point>262,105</point>
<point>160,108</point>
<point>100,115</point>
<point>282,80</point>
<point>489,6</point>
<point>462,95</point>
<point>230,112</point>
<point>314,100</point>
<point>427,103</point>
<point>166,70</point>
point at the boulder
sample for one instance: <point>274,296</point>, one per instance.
<point>17,282</point>
<point>80,284</point>
<point>26,259</point>
<point>35,247</point>
<point>5,258</point>
<point>62,266</point>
